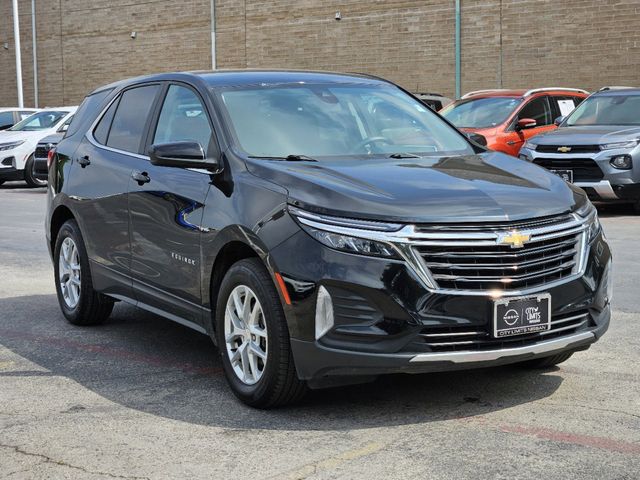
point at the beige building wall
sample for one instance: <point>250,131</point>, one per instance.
<point>508,43</point>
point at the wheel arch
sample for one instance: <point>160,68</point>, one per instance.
<point>237,245</point>
<point>60,215</point>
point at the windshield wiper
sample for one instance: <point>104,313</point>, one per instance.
<point>404,155</point>
<point>288,158</point>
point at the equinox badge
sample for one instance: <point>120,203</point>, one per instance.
<point>514,239</point>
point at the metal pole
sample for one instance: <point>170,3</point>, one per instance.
<point>458,51</point>
<point>213,34</point>
<point>35,53</point>
<point>16,35</point>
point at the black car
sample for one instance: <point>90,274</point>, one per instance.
<point>41,155</point>
<point>321,228</point>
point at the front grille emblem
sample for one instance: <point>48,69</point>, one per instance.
<point>514,239</point>
<point>564,149</point>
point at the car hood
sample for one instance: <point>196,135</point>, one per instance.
<point>588,135</point>
<point>490,186</point>
<point>53,138</point>
<point>10,136</point>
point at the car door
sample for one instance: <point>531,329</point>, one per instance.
<point>166,207</point>
<point>537,109</point>
<point>99,181</point>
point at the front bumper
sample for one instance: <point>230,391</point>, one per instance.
<point>11,174</point>
<point>603,183</point>
<point>381,311</point>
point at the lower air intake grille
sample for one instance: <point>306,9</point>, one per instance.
<point>447,339</point>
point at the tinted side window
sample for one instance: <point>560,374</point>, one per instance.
<point>539,110</point>
<point>88,108</point>
<point>183,118</point>
<point>130,118</point>
<point>6,119</point>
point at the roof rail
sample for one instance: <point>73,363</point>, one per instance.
<point>614,87</point>
<point>432,94</point>
<point>548,89</point>
<point>478,92</point>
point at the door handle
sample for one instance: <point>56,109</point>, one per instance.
<point>140,177</point>
<point>84,161</point>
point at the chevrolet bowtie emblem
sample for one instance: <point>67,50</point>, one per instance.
<point>564,149</point>
<point>514,239</point>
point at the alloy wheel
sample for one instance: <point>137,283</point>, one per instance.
<point>245,333</point>
<point>69,275</point>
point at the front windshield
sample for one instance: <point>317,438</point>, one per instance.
<point>39,121</point>
<point>336,120</point>
<point>607,110</point>
<point>485,112</point>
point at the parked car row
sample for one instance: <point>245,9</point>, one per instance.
<point>18,143</point>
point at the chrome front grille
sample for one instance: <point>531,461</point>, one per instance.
<point>441,339</point>
<point>471,257</point>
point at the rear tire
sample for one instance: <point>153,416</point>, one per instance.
<point>2,182</point>
<point>253,338</point>
<point>547,362</point>
<point>29,174</point>
<point>79,302</point>
<point>636,208</point>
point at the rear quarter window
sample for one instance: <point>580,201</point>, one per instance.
<point>88,109</point>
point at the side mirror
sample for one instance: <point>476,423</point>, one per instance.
<point>181,155</point>
<point>525,123</point>
<point>558,121</point>
<point>477,138</point>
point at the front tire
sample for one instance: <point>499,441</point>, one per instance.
<point>253,338</point>
<point>546,362</point>
<point>29,174</point>
<point>79,302</point>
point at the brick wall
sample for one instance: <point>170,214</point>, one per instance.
<point>82,44</point>
<point>509,43</point>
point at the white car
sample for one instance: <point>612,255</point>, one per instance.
<point>18,143</point>
<point>10,116</point>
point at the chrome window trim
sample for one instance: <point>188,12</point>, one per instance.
<point>89,136</point>
<point>407,237</point>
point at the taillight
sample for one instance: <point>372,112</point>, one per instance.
<point>50,155</point>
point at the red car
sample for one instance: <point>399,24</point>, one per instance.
<point>508,118</point>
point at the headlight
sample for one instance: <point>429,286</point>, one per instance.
<point>10,146</point>
<point>530,145</point>
<point>627,144</point>
<point>331,231</point>
<point>590,215</point>
<point>622,162</point>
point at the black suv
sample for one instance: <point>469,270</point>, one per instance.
<point>321,228</point>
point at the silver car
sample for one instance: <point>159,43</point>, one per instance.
<point>596,147</point>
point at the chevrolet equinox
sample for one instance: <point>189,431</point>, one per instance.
<point>323,229</point>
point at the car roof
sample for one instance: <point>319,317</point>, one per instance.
<point>618,92</point>
<point>18,109</point>
<point>521,92</point>
<point>232,78</point>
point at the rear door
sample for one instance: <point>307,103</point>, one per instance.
<point>99,181</point>
<point>166,207</point>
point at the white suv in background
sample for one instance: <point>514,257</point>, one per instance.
<point>18,143</point>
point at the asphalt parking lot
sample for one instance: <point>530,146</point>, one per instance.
<point>143,398</point>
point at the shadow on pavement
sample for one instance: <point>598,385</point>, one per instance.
<point>143,362</point>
